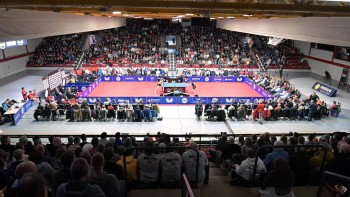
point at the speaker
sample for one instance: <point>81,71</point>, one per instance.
<point>200,22</point>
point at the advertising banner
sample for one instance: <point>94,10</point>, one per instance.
<point>325,89</point>
<point>21,111</point>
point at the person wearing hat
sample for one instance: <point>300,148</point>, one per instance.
<point>189,161</point>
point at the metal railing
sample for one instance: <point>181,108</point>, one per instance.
<point>337,189</point>
<point>186,190</point>
<point>160,148</point>
<point>289,146</point>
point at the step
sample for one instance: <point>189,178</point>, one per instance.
<point>160,193</point>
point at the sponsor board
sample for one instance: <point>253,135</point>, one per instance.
<point>325,89</point>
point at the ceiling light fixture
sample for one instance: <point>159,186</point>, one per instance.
<point>212,18</point>
<point>247,15</point>
<point>137,17</point>
<point>180,16</point>
<point>189,14</point>
<point>220,17</point>
<point>117,12</point>
<point>230,17</point>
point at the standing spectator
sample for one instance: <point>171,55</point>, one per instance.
<point>118,142</point>
<point>149,167</point>
<point>260,109</point>
<point>171,168</point>
<point>79,186</point>
<point>103,139</point>
<point>312,110</point>
<point>107,182</point>
<point>111,166</point>
<point>189,161</point>
<point>63,175</point>
<point>75,145</point>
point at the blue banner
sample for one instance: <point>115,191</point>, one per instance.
<point>21,111</point>
<point>325,89</point>
<point>173,100</point>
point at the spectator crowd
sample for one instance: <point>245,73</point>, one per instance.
<point>96,168</point>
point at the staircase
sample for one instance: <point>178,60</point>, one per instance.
<point>171,64</point>
<point>218,186</point>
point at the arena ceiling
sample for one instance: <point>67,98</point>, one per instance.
<point>218,9</point>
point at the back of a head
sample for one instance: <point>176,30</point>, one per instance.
<point>79,169</point>
<point>24,168</point>
<point>149,148</point>
<point>36,157</point>
<point>70,139</point>
<point>108,153</point>
<point>103,135</point>
<point>231,140</point>
<point>23,139</point>
<point>94,141</point>
<point>83,137</point>
<point>117,135</point>
<point>278,143</point>
<point>86,155</point>
<point>251,152</point>
<point>67,159</point>
<point>76,140</point>
<point>97,160</point>
<point>193,145</point>
<point>57,141</point>
<point>32,185</point>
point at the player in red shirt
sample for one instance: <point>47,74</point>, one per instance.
<point>24,94</point>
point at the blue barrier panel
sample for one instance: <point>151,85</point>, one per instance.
<point>168,100</point>
<point>325,89</point>
<point>21,111</point>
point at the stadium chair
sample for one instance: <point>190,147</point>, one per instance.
<point>128,114</point>
<point>111,114</point>
<point>103,115</point>
<point>137,116</point>
<point>121,115</point>
<point>54,115</point>
<point>61,112</point>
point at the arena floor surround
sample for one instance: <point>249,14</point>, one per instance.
<point>178,119</point>
<point>203,89</point>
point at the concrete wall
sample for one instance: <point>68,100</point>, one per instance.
<point>16,59</point>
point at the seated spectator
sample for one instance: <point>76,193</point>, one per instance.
<point>43,167</point>
<point>103,139</point>
<point>26,167</point>
<point>111,166</point>
<point>107,182</point>
<point>131,169</point>
<point>229,149</point>
<point>279,181</point>
<point>19,157</point>
<point>171,168</point>
<point>245,170</point>
<point>149,164</point>
<point>32,185</point>
<point>340,163</point>
<point>79,185</point>
<point>189,160</point>
<point>278,152</point>
<point>63,175</point>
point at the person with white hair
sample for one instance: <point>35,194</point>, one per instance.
<point>189,161</point>
<point>278,152</point>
